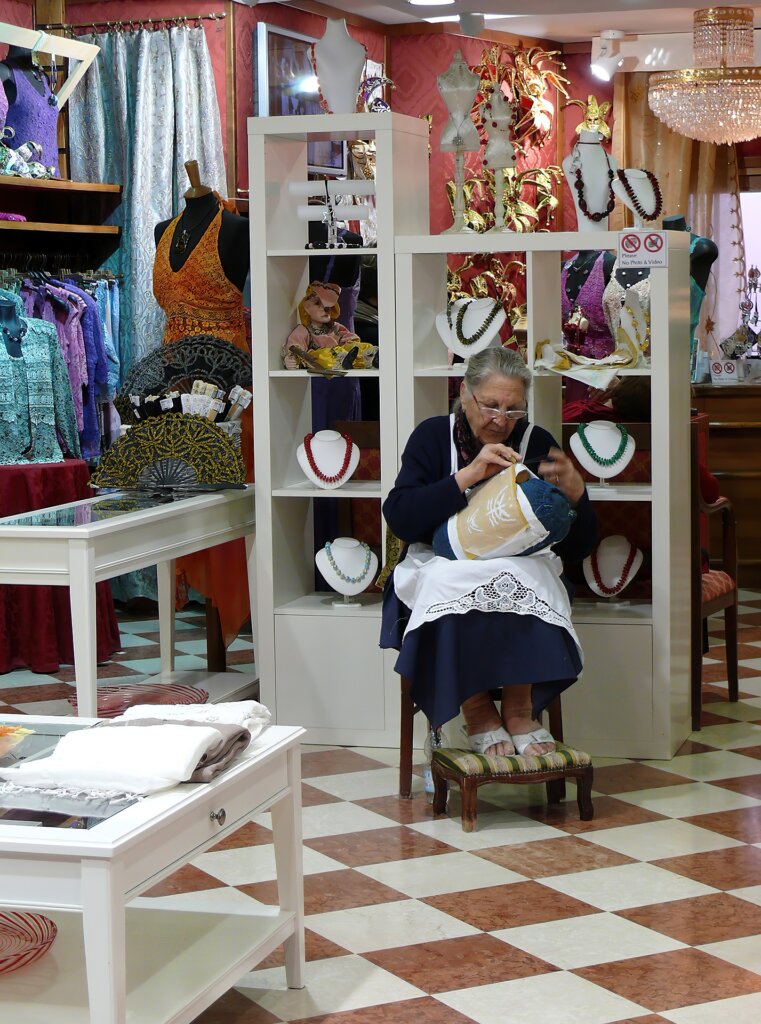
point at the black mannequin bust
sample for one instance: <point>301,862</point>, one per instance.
<point>21,59</point>
<point>704,253</point>
<point>581,268</point>
<point>201,206</point>
<point>11,327</point>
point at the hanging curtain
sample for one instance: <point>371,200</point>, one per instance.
<point>146,106</point>
<point>699,181</point>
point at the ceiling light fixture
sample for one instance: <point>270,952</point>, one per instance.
<point>718,100</point>
<point>609,59</point>
<point>430,3</point>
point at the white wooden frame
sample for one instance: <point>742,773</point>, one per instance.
<point>41,42</point>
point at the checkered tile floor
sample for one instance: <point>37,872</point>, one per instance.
<point>651,912</point>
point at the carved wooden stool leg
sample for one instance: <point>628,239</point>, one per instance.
<point>584,794</point>
<point>440,793</point>
<point>555,791</point>
<point>405,740</point>
<point>469,798</point>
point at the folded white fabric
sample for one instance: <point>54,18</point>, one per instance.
<point>102,760</point>
<point>248,713</point>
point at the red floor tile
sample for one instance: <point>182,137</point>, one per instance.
<point>187,879</point>
<point>700,920</point>
<point>330,890</point>
<point>317,948</point>
<point>609,813</point>
<point>553,857</point>
<point>420,1011</point>
<point>509,906</point>
<point>378,845</point>
<point>743,824</point>
<point>626,778</point>
<point>723,869</point>
<point>335,762</point>
<point>234,1008</point>
<point>249,834</point>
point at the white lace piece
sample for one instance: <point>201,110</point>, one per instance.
<point>504,593</point>
<point>69,793</point>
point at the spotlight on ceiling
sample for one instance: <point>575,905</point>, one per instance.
<point>472,24</point>
<point>430,3</point>
<point>609,59</point>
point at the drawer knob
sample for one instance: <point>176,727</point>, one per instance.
<point>219,816</point>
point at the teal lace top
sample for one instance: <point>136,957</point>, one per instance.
<point>36,407</point>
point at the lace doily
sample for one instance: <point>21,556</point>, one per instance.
<point>503,593</point>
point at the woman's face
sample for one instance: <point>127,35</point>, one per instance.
<point>496,393</point>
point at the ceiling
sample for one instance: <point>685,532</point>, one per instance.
<point>561,20</point>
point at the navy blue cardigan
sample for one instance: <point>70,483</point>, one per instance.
<point>426,492</point>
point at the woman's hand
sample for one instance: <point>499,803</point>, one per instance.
<point>558,469</point>
<point>490,460</point>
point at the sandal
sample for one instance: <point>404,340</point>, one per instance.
<point>481,741</point>
<point>521,740</point>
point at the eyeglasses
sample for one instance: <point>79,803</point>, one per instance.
<point>491,413</point>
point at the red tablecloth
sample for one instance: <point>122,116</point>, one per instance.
<point>35,622</point>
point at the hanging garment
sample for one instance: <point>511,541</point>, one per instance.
<point>614,297</point>
<point>198,298</point>
<point>33,118</point>
<point>598,341</point>
<point>110,339</point>
<point>97,370</point>
<point>35,399</point>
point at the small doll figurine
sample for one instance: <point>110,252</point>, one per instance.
<point>575,329</point>
<point>325,343</point>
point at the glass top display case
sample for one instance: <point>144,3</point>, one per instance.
<point>86,512</point>
<point>29,740</point>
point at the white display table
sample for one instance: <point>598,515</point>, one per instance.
<point>79,544</point>
<point>143,964</point>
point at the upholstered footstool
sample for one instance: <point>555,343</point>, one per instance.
<point>470,771</point>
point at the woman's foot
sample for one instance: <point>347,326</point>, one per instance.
<point>481,718</point>
<point>521,726</point>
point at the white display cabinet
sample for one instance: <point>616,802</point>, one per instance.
<point>320,666</point>
<point>632,699</point>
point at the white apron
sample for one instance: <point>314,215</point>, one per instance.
<point>432,586</point>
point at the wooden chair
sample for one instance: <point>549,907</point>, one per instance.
<point>470,771</point>
<point>715,590</point>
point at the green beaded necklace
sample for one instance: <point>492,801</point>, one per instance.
<point>461,316</point>
<point>582,432</point>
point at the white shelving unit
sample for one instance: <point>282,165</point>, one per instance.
<point>320,666</point>
<point>633,697</point>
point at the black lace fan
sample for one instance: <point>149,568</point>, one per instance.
<point>174,452</point>
<point>177,365</point>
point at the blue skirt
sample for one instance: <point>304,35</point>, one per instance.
<point>457,656</point>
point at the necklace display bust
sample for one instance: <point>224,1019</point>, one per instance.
<point>596,168</point>
<point>339,61</point>
<point>468,326</point>
<point>640,192</point>
<point>348,566</point>
<point>612,566</point>
<point>458,86</point>
<point>328,459</point>
<point>603,449</point>
<point>499,154</point>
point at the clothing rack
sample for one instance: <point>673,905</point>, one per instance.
<point>132,24</point>
<point>25,262</point>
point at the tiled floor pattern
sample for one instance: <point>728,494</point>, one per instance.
<point>649,913</point>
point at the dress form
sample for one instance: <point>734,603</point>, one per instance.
<point>499,154</point>
<point>477,312</point>
<point>355,561</point>
<point>11,323</point>
<point>616,566</point>
<point>643,189</point>
<point>458,86</point>
<point>605,439</point>
<point>588,153</point>
<point>32,105</point>
<point>328,449</point>
<point>339,61</point>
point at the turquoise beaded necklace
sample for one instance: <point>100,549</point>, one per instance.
<point>342,575</point>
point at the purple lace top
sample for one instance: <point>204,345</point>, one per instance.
<point>599,341</point>
<point>3,107</point>
<point>33,119</point>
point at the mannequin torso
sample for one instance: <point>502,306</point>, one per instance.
<point>11,327</point>
<point>233,244</point>
<point>498,114</point>
<point>339,61</point>
<point>458,86</point>
<point>597,170</point>
<point>32,109</point>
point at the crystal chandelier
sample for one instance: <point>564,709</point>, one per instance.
<point>719,100</point>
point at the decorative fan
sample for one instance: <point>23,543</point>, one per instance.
<point>177,365</point>
<point>171,452</point>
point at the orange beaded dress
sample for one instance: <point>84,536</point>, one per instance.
<point>199,299</point>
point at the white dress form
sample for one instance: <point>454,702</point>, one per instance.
<point>610,558</point>
<point>351,558</point>
<point>339,61</point>
<point>499,154</point>
<point>643,189</point>
<point>476,313</point>
<point>458,86</point>
<point>605,439</point>
<point>328,452</point>
<point>589,154</point>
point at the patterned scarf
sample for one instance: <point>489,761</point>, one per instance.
<point>466,442</point>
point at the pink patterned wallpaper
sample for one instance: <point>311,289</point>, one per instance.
<point>13,12</point>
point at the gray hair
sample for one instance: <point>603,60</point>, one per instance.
<point>503,362</point>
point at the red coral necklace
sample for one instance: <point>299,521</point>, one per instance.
<point>316,469</point>
<point>619,585</point>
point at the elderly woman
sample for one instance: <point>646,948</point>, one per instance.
<point>511,629</point>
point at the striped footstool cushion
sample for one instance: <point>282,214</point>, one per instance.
<point>466,762</point>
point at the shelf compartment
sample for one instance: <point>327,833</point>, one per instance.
<point>620,492</point>
<point>302,374</point>
<point>355,489</point>
<point>455,370</point>
<point>95,242</point>
<point>175,959</point>
<point>322,604</point>
<point>644,371</point>
<point>78,201</point>
<point>587,612</point>
<point>359,251</point>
